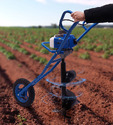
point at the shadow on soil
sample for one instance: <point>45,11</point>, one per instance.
<point>84,108</point>
<point>35,115</point>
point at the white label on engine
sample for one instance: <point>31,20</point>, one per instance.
<point>52,42</point>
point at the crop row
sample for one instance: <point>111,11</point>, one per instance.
<point>97,40</point>
<point>8,54</point>
<point>36,35</point>
<point>17,47</point>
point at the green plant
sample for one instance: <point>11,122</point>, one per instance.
<point>108,52</point>
<point>32,56</point>
<point>106,47</point>
<point>111,51</point>
<point>42,38</point>
<point>43,60</point>
<point>15,46</point>
<point>85,55</point>
<point>8,54</point>
<point>83,46</point>
<point>21,119</point>
<point>17,42</point>
<point>2,49</point>
<point>30,46</point>
<point>98,48</point>
<point>90,47</point>
<point>24,51</point>
<point>76,48</point>
<point>37,58</point>
<point>105,56</point>
<point>44,51</point>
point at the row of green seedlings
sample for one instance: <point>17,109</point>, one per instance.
<point>8,54</point>
<point>40,49</point>
<point>18,48</point>
<point>44,35</point>
<point>106,48</point>
<point>16,42</point>
<point>13,38</point>
<point>24,51</point>
<point>43,50</point>
<point>85,55</point>
<point>38,58</point>
<point>15,47</point>
<point>32,36</point>
<point>38,35</point>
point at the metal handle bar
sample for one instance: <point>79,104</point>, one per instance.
<point>43,44</point>
<point>68,33</point>
<point>86,30</point>
<point>52,51</point>
<point>62,17</point>
<point>83,25</point>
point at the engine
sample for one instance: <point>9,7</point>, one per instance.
<point>56,41</point>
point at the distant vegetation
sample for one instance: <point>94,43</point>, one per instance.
<point>99,40</point>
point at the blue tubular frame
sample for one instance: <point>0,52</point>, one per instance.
<point>86,31</point>
<point>56,52</point>
<point>43,74</point>
<point>43,44</point>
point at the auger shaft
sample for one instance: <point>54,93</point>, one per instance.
<point>63,89</point>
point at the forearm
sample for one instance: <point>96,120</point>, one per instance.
<point>99,14</point>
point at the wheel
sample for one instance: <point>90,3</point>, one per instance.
<point>26,98</point>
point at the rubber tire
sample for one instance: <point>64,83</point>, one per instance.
<point>30,91</point>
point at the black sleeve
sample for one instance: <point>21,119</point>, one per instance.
<point>99,14</point>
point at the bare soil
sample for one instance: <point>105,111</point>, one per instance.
<point>96,103</point>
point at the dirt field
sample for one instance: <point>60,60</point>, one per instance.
<point>96,103</point>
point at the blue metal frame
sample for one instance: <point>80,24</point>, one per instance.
<point>56,52</point>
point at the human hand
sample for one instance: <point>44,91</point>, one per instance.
<point>78,16</point>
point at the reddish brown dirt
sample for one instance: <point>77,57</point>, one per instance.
<point>96,103</point>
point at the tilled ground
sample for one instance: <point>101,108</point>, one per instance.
<point>96,103</point>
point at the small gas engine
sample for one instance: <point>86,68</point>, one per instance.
<point>56,41</point>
